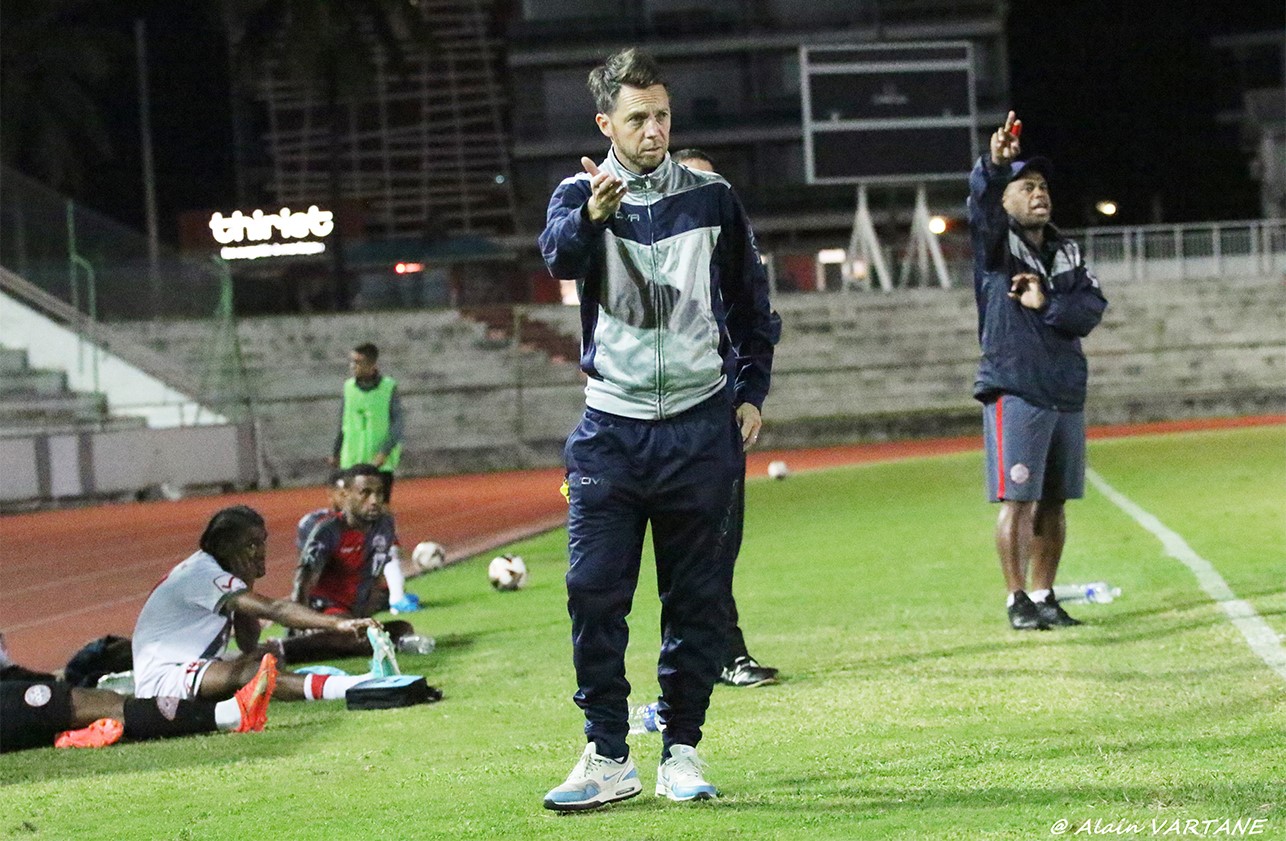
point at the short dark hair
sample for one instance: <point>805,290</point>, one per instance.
<point>356,470</point>
<point>369,350</point>
<point>692,153</point>
<point>336,477</point>
<point>226,527</point>
<point>631,67</point>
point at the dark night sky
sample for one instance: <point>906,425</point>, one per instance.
<point>1121,94</point>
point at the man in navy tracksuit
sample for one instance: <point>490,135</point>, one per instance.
<point>674,308</point>
<point>1036,301</point>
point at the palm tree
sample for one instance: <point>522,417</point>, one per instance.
<point>331,47</point>
<point>54,66</point>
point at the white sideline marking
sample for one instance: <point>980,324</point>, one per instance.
<point>1263,640</point>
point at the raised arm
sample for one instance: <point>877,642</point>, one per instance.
<point>988,223</point>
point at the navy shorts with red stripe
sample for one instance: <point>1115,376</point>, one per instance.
<point>1032,453</point>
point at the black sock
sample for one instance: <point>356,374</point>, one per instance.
<point>158,718</point>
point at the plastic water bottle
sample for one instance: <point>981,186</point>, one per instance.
<point>644,719</point>
<point>1098,592</point>
<point>416,644</point>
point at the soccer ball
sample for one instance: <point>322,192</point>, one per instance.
<point>428,556</point>
<point>507,572</point>
<point>778,469</point>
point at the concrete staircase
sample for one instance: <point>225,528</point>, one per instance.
<point>34,401</point>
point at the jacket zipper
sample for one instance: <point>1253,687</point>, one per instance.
<point>653,290</point>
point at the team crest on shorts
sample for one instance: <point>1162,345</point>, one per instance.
<point>1019,474</point>
<point>38,695</point>
<point>168,706</point>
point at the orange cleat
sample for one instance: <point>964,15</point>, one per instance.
<point>100,734</point>
<point>253,698</point>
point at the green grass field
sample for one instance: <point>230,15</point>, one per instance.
<point>908,708</point>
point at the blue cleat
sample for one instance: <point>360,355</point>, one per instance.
<point>409,603</point>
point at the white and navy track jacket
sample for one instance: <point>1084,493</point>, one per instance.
<point>1034,354</point>
<point>674,298</point>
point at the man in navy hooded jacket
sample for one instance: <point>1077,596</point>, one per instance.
<point>1036,301</point>
<point>677,346</point>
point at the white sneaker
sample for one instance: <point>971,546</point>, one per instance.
<point>679,777</point>
<point>595,781</point>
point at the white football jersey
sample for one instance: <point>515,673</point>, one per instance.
<point>183,620</point>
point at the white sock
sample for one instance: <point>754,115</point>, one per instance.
<point>1040,595</point>
<point>331,687</point>
<point>1009,602</point>
<point>396,580</point>
<point>227,714</point>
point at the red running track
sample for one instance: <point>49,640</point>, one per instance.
<point>69,576</point>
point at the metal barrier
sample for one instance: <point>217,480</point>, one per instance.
<point>1178,252</point>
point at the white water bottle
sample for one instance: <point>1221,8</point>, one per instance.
<point>1098,592</point>
<point>644,719</point>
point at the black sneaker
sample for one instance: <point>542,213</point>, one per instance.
<point>1023,614</point>
<point>1052,615</point>
<point>744,671</point>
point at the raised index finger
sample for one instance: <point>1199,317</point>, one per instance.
<point>590,166</point>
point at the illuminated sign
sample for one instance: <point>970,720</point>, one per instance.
<point>262,228</point>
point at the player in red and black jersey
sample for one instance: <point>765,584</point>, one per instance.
<point>341,566</point>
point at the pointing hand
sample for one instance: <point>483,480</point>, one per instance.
<point>1004,141</point>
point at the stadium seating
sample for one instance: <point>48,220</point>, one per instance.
<point>850,366</point>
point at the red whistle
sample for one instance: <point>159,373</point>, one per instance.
<point>1017,128</point>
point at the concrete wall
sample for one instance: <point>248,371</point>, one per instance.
<point>124,462</point>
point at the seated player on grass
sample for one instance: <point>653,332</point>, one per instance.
<point>186,623</point>
<point>340,568</point>
<point>38,710</point>
<point>396,599</point>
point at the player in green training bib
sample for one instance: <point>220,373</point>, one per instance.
<point>370,418</point>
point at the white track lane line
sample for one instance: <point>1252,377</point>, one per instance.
<point>1263,640</point>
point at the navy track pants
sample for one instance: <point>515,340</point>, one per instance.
<point>683,475</point>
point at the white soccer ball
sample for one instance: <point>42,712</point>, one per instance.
<point>507,572</point>
<point>778,469</point>
<point>428,556</point>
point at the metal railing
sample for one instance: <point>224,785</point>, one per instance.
<point>1178,252</point>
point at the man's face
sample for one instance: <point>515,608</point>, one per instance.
<point>360,366</point>
<point>249,555</point>
<point>639,127</point>
<point>1027,200</point>
<point>364,500</point>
